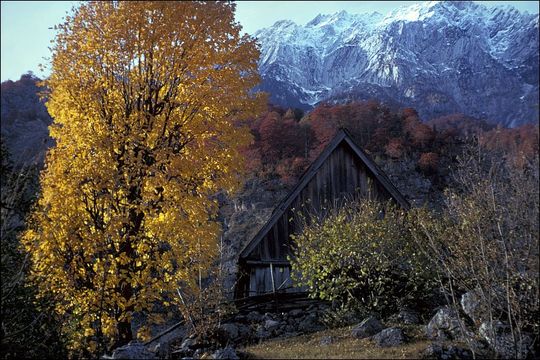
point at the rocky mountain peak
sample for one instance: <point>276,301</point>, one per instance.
<point>438,56</point>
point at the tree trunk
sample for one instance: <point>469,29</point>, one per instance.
<point>125,289</point>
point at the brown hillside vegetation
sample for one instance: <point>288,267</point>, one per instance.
<point>285,144</point>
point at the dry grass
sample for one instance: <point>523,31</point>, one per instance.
<point>344,346</point>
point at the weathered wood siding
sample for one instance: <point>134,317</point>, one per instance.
<point>261,279</point>
<point>342,176</point>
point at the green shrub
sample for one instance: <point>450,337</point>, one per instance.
<point>360,256</point>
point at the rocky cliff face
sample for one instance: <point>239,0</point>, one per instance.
<point>24,121</point>
<point>439,57</point>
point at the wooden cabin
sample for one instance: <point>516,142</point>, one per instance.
<point>343,170</point>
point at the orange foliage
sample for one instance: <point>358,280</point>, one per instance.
<point>395,148</point>
<point>409,112</point>
<point>422,135</point>
<point>286,146</point>
<point>520,144</point>
<point>428,162</point>
<point>291,169</point>
<point>458,125</point>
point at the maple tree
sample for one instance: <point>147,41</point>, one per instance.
<point>145,98</point>
<point>280,137</point>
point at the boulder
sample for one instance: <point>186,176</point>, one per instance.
<point>225,353</point>
<point>163,335</point>
<point>201,354</point>
<point>186,348</point>
<point>262,333</point>
<point>471,305</point>
<point>443,352</point>
<point>271,325</point>
<point>230,331</point>
<point>309,324</point>
<point>244,331</point>
<point>389,337</point>
<point>289,329</point>
<point>444,325</point>
<point>295,313</point>
<point>408,317</point>
<point>326,340</point>
<point>292,321</point>
<point>189,343</point>
<point>133,350</point>
<point>367,328</point>
<point>500,339</point>
<point>254,316</point>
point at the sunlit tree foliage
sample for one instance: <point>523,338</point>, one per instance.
<point>146,98</point>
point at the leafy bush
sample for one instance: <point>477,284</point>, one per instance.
<point>360,256</point>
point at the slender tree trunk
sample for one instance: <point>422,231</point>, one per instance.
<point>125,289</point>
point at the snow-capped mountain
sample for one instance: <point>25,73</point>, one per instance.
<point>439,57</point>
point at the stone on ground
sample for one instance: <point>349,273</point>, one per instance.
<point>367,328</point>
<point>389,337</point>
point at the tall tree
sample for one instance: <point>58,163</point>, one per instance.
<point>145,98</point>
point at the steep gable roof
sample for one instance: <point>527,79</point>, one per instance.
<point>342,136</point>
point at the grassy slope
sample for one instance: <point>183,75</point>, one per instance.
<point>344,346</point>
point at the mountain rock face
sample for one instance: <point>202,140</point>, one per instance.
<point>24,121</point>
<point>438,57</point>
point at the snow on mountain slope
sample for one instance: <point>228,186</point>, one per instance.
<point>439,57</point>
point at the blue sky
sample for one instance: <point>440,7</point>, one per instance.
<point>26,32</point>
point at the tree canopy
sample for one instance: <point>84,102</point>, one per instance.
<point>147,98</point>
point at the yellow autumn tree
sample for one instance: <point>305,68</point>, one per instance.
<point>146,99</point>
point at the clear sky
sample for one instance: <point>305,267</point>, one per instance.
<point>26,32</point>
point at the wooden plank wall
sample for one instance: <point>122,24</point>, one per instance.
<point>260,280</point>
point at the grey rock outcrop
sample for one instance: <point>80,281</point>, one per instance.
<point>367,328</point>
<point>444,352</point>
<point>271,325</point>
<point>133,350</point>
<point>225,353</point>
<point>24,121</point>
<point>472,306</point>
<point>389,337</point>
<point>407,317</point>
<point>499,337</point>
<point>445,325</point>
<point>230,331</point>
<point>310,324</point>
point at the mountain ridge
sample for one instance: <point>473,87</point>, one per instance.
<point>439,57</point>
